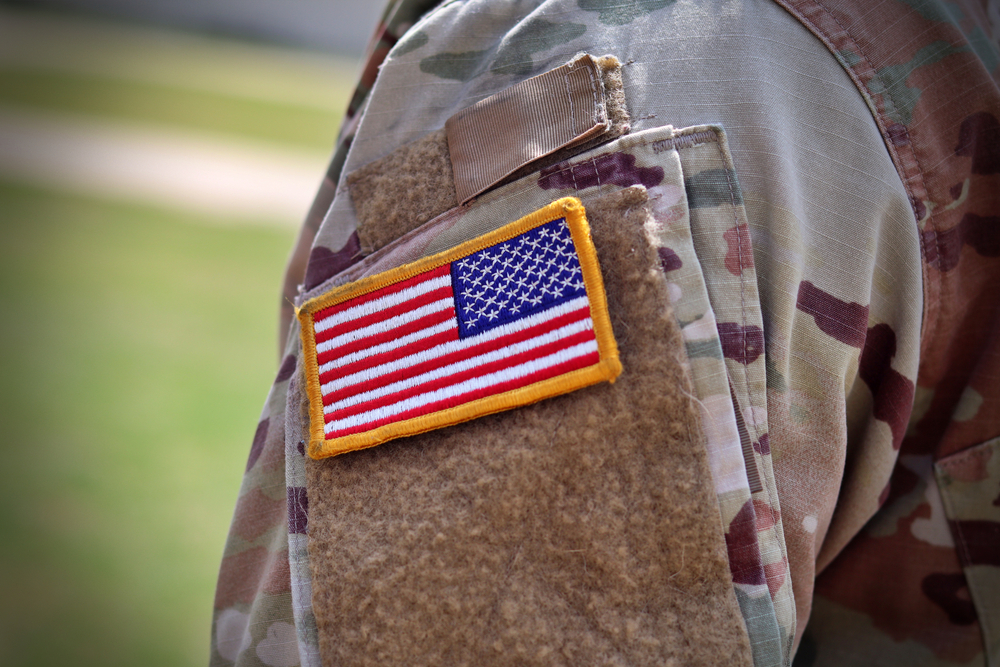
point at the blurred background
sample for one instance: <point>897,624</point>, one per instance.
<point>156,158</point>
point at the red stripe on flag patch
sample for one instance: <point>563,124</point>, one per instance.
<point>387,313</point>
<point>385,291</point>
<point>461,354</point>
<point>445,315</point>
<point>544,374</point>
<point>392,355</point>
<point>459,376</point>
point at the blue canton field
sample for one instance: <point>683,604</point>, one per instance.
<point>150,186</point>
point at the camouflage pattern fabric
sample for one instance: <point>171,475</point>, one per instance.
<point>969,493</point>
<point>930,76</point>
<point>690,228</point>
<point>796,266</point>
<point>253,620</point>
<point>721,238</point>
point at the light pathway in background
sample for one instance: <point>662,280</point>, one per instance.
<point>239,181</point>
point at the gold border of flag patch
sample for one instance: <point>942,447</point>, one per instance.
<point>607,368</point>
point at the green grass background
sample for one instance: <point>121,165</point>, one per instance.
<point>130,100</point>
<point>137,346</point>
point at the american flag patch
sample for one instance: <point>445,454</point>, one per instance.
<point>498,322</point>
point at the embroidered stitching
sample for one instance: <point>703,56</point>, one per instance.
<point>743,304</point>
<point>501,321</point>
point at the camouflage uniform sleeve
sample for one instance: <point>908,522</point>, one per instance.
<point>916,584</point>
<point>826,224</point>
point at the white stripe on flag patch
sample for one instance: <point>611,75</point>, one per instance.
<point>386,347</point>
<point>465,387</point>
<point>445,348</point>
<point>451,369</point>
<point>385,325</point>
<point>376,305</point>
